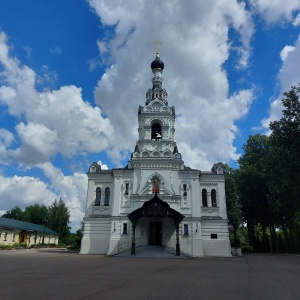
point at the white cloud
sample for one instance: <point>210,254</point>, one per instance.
<point>297,20</point>
<point>6,139</point>
<point>285,51</point>
<point>288,76</point>
<point>18,191</point>
<point>57,121</point>
<point>25,191</point>
<point>72,189</point>
<point>55,50</point>
<point>195,45</point>
<point>103,166</point>
<point>277,10</point>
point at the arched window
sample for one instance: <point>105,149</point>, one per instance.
<point>126,193</point>
<point>156,131</point>
<point>98,196</point>
<point>184,186</point>
<point>204,197</point>
<point>213,198</point>
<point>107,195</point>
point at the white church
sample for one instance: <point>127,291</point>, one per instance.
<point>156,200</point>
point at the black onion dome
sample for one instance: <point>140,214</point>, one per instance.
<point>157,63</point>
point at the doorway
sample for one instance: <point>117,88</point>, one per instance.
<point>155,233</point>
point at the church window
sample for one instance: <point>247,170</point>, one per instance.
<point>126,188</point>
<point>156,131</point>
<point>125,228</point>
<point>185,229</point>
<point>107,195</point>
<point>98,196</point>
<point>155,185</point>
<point>184,189</point>
<point>204,197</point>
<point>213,198</point>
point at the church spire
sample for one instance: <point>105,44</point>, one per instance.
<point>157,92</point>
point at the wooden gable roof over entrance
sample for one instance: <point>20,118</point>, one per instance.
<point>155,208</point>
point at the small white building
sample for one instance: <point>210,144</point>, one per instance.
<point>156,199</point>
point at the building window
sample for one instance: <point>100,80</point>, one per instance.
<point>204,197</point>
<point>184,189</point>
<point>156,132</point>
<point>185,229</point>
<point>213,236</point>
<point>107,195</point>
<point>98,196</point>
<point>5,236</point>
<point>213,198</point>
<point>124,228</point>
<point>126,189</point>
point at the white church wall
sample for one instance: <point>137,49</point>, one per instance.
<point>96,236</point>
<point>215,238</point>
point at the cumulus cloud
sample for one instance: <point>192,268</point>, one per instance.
<point>195,45</point>
<point>18,191</point>
<point>57,121</point>
<point>24,191</point>
<point>274,11</point>
<point>6,139</point>
<point>288,76</point>
<point>72,189</point>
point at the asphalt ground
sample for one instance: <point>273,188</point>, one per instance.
<point>63,275</point>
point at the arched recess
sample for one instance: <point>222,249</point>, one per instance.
<point>107,196</point>
<point>98,196</point>
<point>156,131</point>
<point>204,197</point>
<point>160,178</point>
<point>213,198</point>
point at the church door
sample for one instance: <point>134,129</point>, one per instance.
<point>155,233</point>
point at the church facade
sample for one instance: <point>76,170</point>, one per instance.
<point>156,199</point>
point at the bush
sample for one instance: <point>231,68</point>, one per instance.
<point>247,249</point>
<point>61,245</point>
<point>5,247</point>
<point>23,245</point>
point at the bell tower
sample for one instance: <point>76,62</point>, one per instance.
<point>156,122</point>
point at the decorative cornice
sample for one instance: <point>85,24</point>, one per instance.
<point>213,177</point>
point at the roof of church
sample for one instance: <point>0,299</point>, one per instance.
<point>157,63</point>
<point>15,224</point>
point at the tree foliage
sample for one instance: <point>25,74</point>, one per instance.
<point>268,181</point>
<point>59,218</point>
<point>15,213</point>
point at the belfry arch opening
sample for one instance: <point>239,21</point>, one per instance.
<point>156,131</point>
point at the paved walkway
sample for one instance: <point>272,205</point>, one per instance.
<point>152,251</point>
<point>34,275</point>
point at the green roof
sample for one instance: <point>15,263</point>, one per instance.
<point>15,224</point>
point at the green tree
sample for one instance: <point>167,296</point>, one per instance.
<point>16,214</point>
<point>36,214</point>
<point>285,138</point>
<point>255,193</point>
<point>59,218</point>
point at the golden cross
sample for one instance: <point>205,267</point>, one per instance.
<point>157,43</point>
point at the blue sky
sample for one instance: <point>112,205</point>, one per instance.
<point>73,73</point>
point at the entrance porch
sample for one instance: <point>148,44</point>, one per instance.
<point>152,216</point>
